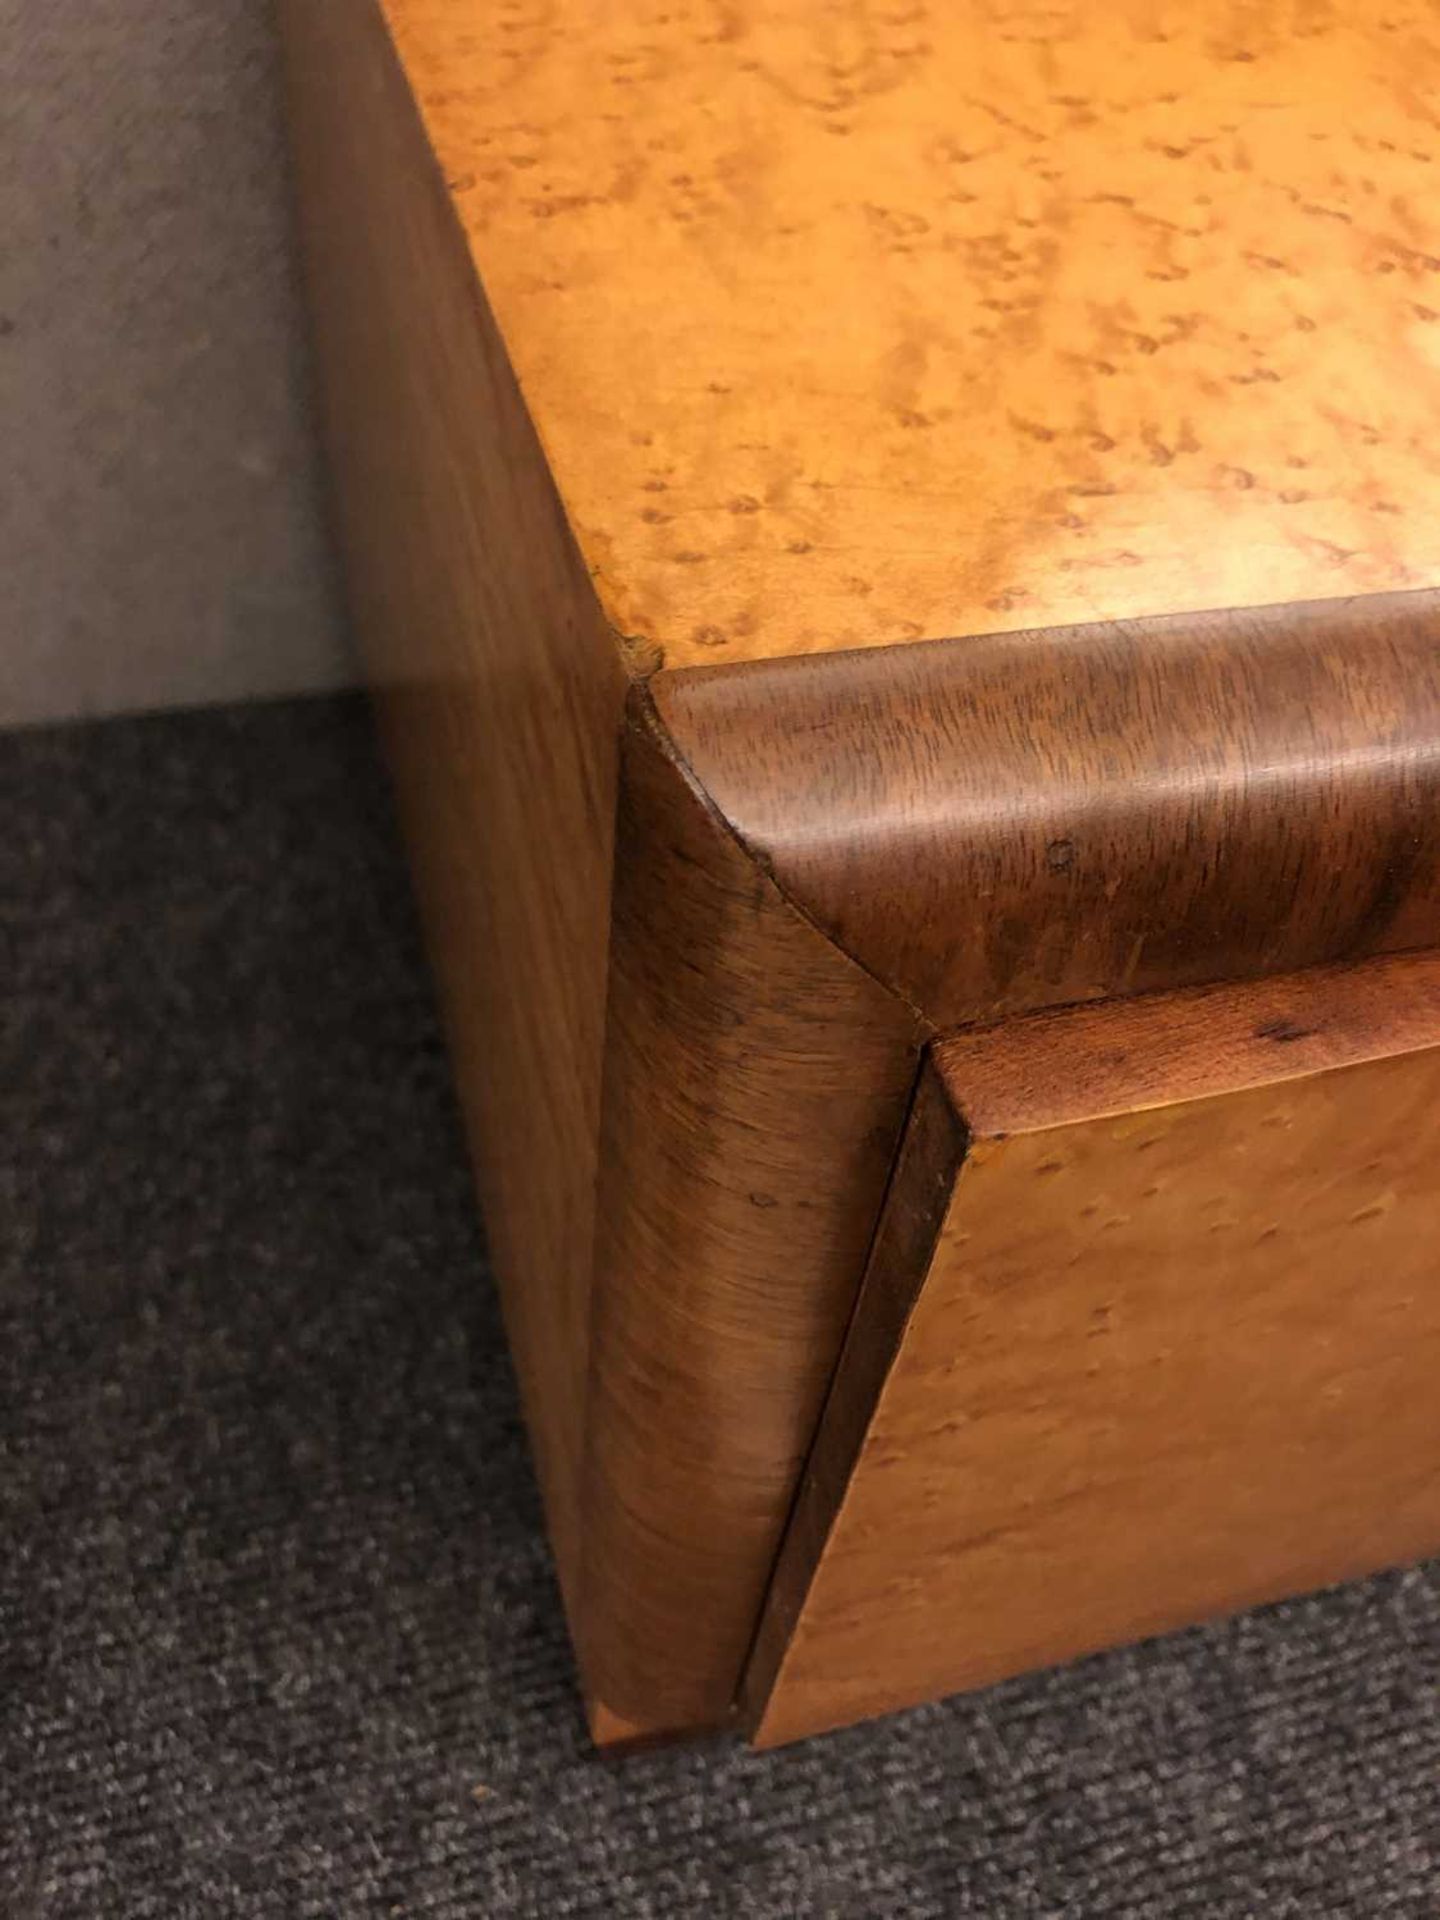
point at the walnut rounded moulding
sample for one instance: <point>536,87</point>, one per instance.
<point>897,553</point>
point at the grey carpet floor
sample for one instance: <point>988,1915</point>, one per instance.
<point>278,1634</point>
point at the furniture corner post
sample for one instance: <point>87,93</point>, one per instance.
<point>755,1087</point>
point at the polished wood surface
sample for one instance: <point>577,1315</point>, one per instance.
<point>1171,1352</point>
<point>499,693</point>
<point>859,323</point>
<point>999,824</point>
<point>756,1080</point>
<point>1084,1063</point>
<point>672,362</point>
<point>755,1085</point>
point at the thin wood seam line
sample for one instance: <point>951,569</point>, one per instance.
<point>871,1344</point>
<point>797,1491</point>
<point>1292,1056</point>
<point>646,715</point>
<point>1183,997</point>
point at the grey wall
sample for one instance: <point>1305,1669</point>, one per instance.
<point>161,532</point>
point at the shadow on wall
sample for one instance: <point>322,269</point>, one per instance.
<point>161,522</point>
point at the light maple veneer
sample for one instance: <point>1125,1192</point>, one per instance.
<point>864,523</point>
<point>862,323</point>
<point>1151,1332</point>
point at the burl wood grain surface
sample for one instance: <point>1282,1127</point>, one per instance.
<point>864,322</point>
<point>1169,1355</point>
<point>498,691</point>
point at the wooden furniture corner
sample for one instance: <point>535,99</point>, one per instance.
<point>1149,1332</point>
<point>899,575</point>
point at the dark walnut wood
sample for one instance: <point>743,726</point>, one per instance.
<point>998,824</point>
<point>1150,1332</point>
<point>755,1084</point>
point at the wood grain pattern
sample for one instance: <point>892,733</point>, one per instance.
<point>499,691</point>
<point>1084,1063</point>
<point>998,824</point>
<point>1134,318</point>
<point>755,1080</point>
<point>916,1201</point>
<point>860,323</point>
<point>755,1087</point>
<point>1168,1356</point>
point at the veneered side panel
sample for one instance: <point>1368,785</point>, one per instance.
<point>500,691</point>
<point>1162,1362</point>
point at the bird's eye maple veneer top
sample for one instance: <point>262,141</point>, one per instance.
<point>849,324</point>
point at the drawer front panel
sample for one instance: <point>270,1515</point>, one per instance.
<point>1169,1344</point>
